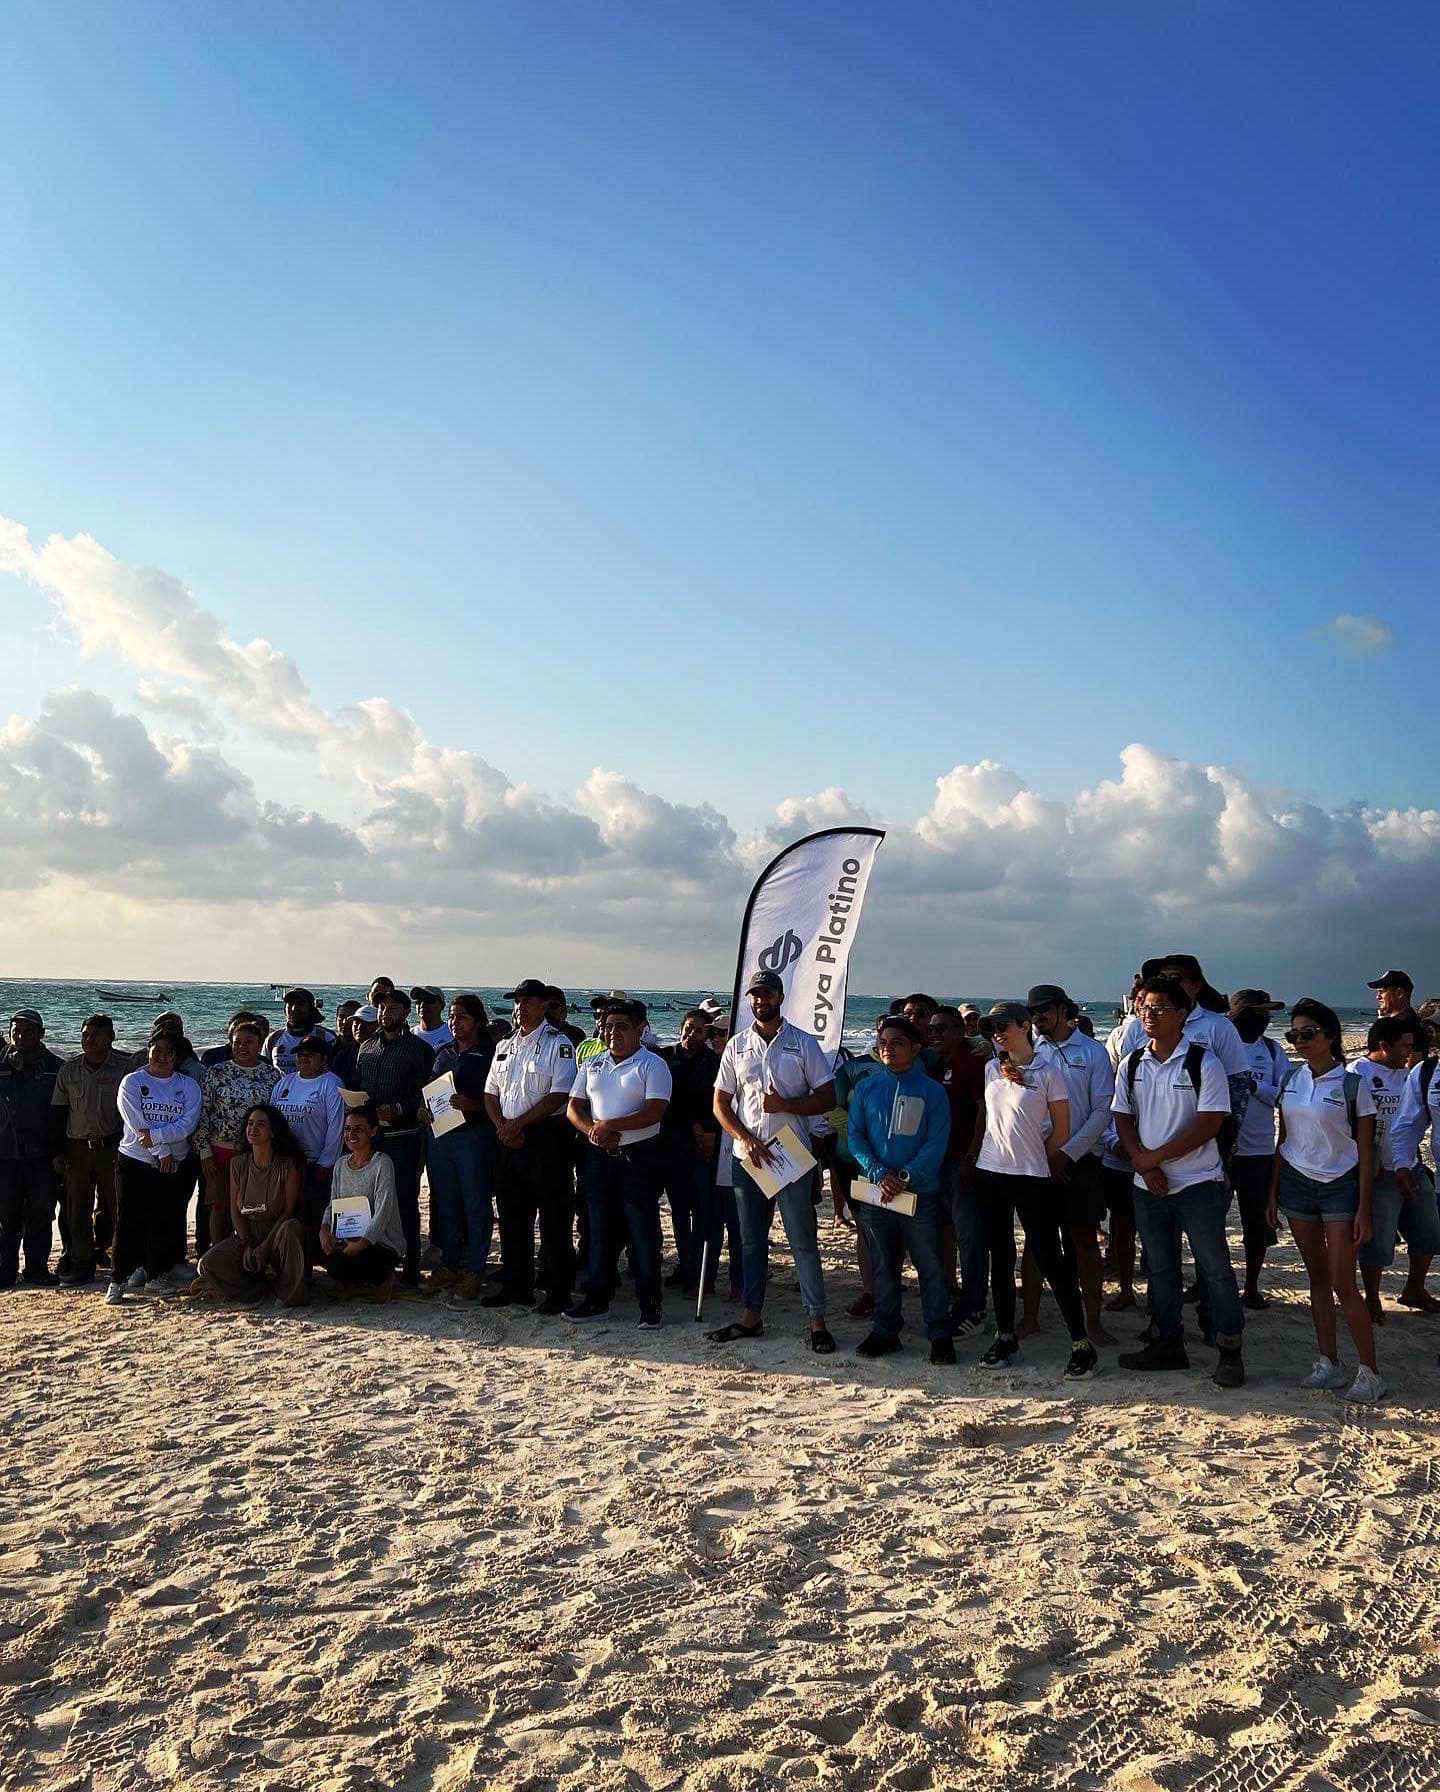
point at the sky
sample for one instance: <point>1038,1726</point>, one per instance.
<point>492,473</point>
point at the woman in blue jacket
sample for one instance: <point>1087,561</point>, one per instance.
<point>899,1127</point>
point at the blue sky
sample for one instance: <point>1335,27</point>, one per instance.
<point>776,396</point>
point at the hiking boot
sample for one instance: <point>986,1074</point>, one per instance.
<point>1230,1367</point>
<point>1156,1356</point>
<point>467,1290</point>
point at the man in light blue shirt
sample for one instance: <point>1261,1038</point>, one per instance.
<point>899,1127</point>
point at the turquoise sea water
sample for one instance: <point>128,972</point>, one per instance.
<point>206,1007</point>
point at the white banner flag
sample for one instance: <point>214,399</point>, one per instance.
<point>801,922</point>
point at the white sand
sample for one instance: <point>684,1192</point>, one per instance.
<point>406,1547</point>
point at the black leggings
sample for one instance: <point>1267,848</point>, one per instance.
<point>149,1218</point>
<point>1035,1199</point>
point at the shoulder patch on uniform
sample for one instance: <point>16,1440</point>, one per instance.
<point>566,1051</point>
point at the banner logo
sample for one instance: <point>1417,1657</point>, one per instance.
<point>784,951</point>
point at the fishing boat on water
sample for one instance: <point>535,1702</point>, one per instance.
<point>131,995</point>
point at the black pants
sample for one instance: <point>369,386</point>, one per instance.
<point>29,1192</point>
<point>149,1211</point>
<point>370,1266</point>
<point>1034,1199</point>
<point>537,1177</point>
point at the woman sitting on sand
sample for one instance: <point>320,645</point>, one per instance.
<point>1321,1182</point>
<point>265,1246</point>
<point>1025,1120</point>
<point>367,1261</point>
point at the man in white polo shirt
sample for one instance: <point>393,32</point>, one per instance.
<point>617,1103</point>
<point>1171,1098</point>
<point>772,1075</point>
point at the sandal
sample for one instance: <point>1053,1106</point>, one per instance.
<point>822,1343</point>
<point>727,1334</point>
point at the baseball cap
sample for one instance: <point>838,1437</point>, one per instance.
<point>426,992</point>
<point>767,980</point>
<point>1392,980</point>
<point>312,1042</point>
<point>529,986</point>
<point>710,1007</point>
<point>33,1015</point>
<point>1256,998</point>
<point>299,995</point>
<point>366,1012</point>
<point>1046,995</point>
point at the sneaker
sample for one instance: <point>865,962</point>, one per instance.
<point>115,1294</point>
<point>588,1311</point>
<point>40,1278</point>
<point>502,1297</point>
<point>162,1288</point>
<point>942,1351</point>
<point>1084,1362</point>
<point>1230,1368</point>
<point>969,1324</point>
<point>77,1278</point>
<point>1001,1353</point>
<point>875,1345</point>
<point>1156,1356</point>
<point>1367,1387</point>
<point>553,1306</point>
<point>135,1281</point>
<point>181,1275</point>
<point>466,1291</point>
<point>651,1319</point>
<point>1325,1374</point>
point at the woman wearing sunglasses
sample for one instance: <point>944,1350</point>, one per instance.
<point>1324,1169</point>
<point>1024,1122</point>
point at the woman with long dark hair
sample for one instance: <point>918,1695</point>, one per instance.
<point>362,1261</point>
<point>159,1106</point>
<point>1322,1181</point>
<point>1024,1121</point>
<point>266,1244</point>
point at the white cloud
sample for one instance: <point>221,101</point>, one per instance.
<point>1358,637</point>
<point>169,846</point>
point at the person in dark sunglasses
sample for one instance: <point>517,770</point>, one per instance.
<point>1322,1182</point>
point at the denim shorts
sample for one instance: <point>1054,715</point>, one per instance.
<point>1302,1198</point>
<point>1394,1214</point>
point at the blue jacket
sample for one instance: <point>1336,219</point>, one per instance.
<point>877,1150</point>
<point>26,1085</point>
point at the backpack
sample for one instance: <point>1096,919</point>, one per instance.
<point>1194,1056</point>
<point>1352,1091</point>
<point>1427,1076</point>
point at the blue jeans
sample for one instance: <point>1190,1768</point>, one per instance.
<point>797,1213</point>
<point>972,1252</point>
<point>622,1193</point>
<point>461,1216</point>
<point>891,1234</point>
<point>1199,1212</point>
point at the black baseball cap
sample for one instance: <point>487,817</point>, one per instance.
<point>770,981</point>
<point>529,986</point>
<point>1046,995</point>
<point>313,1042</point>
<point>426,992</point>
<point>1256,998</point>
<point>1393,980</point>
<point>299,995</point>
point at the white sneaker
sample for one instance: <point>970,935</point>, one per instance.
<point>115,1294</point>
<point>135,1281</point>
<point>1325,1374</point>
<point>1367,1387</point>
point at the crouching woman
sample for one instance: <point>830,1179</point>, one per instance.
<point>361,1252</point>
<point>265,1250</point>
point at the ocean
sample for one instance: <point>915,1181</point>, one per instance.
<point>207,1007</point>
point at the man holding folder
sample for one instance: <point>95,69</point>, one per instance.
<point>772,1077</point>
<point>899,1127</point>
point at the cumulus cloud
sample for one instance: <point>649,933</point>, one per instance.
<point>1358,637</point>
<point>165,842</point>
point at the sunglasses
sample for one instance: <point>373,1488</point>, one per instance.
<point>1002,1026</point>
<point>1303,1035</point>
<point>1159,1008</point>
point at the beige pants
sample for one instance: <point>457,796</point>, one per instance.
<point>223,1267</point>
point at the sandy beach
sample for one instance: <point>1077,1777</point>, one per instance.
<point>410,1547</point>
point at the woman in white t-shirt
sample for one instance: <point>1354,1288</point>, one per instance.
<point>1024,1121</point>
<point>1321,1182</point>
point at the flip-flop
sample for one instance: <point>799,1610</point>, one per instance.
<point>727,1334</point>
<point>822,1343</point>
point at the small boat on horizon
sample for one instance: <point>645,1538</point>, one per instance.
<point>130,995</point>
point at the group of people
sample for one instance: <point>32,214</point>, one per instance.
<point>305,1146</point>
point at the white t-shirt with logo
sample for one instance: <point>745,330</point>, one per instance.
<point>434,1037</point>
<point>1317,1141</point>
<point>616,1088</point>
<point>792,1064</point>
<point>1387,1089</point>
<point>1017,1116</point>
<point>1257,1129</point>
<point>1164,1103</point>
